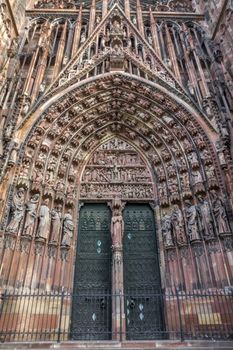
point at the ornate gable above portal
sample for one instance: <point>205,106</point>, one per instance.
<point>118,37</point>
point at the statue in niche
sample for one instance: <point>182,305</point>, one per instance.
<point>134,20</point>
<point>60,186</point>
<point>117,27</point>
<point>193,158</point>
<point>206,220</point>
<point>30,215</point>
<point>115,173</point>
<point>49,178</point>
<point>117,227</point>
<point>26,106</point>
<point>83,38</point>
<point>178,225</point>
<point>149,38</point>
<point>220,215</point>
<point>196,176</point>
<point>44,221</point>
<point>25,169</point>
<point>163,189</point>
<point>167,230</point>
<point>182,165</point>
<point>185,181</point>
<point>171,169</point>
<point>17,211</point>
<point>172,185</point>
<point>220,150</point>
<point>56,223</point>
<point>192,221</point>
<point>210,172</point>
<point>205,156</point>
<point>187,145</point>
<point>37,176</point>
<point>67,229</point>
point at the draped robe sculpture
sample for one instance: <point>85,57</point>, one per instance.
<point>56,224</point>
<point>205,217</point>
<point>68,228</point>
<point>44,221</point>
<point>220,216</point>
<point>117,228</point>
<point>17,211</point>
<point>30,215</point>
<point>192,221</point>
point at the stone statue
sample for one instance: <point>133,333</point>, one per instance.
<point>30,215</point>
<point>17,211</point>
<point>178,225</point>
<point>220,215</point>
<point>68,228</point>
<point>56,223</point>
<point>193,158</point>
<point>117,228</point>
<point>149,38</point>
<point>26,106</point>
<point>134,20</point>
<point>44,221</point>
<point>196,176</point>
<point>167,230</point>
<point>192,221</point>
<point>83,38</point>
<point>210,172</point>
<point>206,220</point>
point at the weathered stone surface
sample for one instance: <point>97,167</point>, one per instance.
<point>124,103</point>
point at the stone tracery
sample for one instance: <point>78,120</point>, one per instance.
<point>146,110</point>
<point>180,159</point>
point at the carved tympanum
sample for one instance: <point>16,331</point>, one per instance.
<point>116,169</point>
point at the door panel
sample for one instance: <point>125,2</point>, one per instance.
<point>143,304</point>
<point>91,308</point>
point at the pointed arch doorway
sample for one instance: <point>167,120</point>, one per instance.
<point>117,266</point>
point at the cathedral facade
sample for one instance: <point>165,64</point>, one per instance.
<point>116,182</point>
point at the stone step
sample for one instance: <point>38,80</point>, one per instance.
<point>125,345</point>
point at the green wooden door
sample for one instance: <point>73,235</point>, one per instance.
<point>91,307</point>
<point>143,302</point>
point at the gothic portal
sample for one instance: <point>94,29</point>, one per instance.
<point>116,170</point>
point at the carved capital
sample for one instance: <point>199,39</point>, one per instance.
<point>52,249</point>
<point>24,245</point>
<point>64,252</point>
<point>39,246</point>
<point>9,241</point>
<point>116,204</point>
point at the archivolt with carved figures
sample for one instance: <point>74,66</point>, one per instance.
<point>116,136</point>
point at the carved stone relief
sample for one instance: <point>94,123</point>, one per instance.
<point>116,169</point>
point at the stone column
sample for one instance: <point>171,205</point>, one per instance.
<point>92,17</point>
<point>77,32</point>
<point>127,9</point>
<point>139,18</point>
<point>154,34</point>
<point>172,53</point>
<point>117,231</point>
